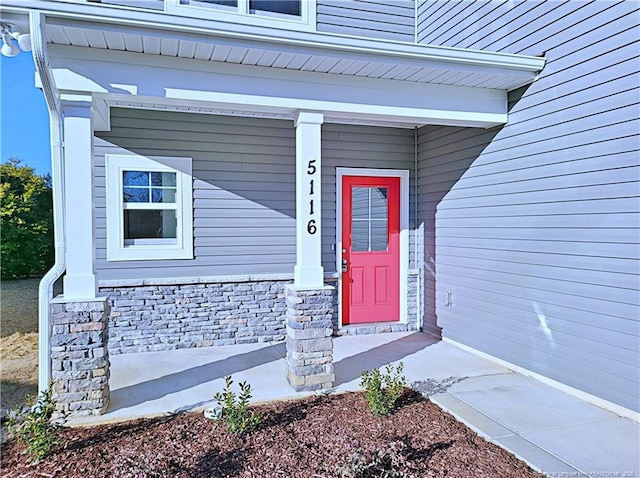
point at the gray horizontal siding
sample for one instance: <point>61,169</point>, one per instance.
<point>388,20</point>
<point>353,146</point>
<point>243,198</point>
<point>534,227</point>
<point>244,186</point>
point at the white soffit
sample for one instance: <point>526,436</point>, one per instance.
<point>313,59</point>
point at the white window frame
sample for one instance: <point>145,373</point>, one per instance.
<point>182,247</point>
<point>305,22</point>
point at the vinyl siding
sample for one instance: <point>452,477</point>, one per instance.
<point>243,197</point>
<point>387,20</point>
<point>353,146</point>
<point>244,186</point>
<point>534,227</point>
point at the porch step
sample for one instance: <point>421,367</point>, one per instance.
<point>374,328</point>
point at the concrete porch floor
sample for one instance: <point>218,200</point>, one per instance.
<point>552,431</point>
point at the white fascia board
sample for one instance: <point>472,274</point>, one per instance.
<point>388,114</point>
<point>120,19</point>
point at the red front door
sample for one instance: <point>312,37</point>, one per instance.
<point>371,249</point>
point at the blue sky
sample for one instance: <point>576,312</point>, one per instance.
<point>24,121</point>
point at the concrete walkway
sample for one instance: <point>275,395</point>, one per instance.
<point>553,432</point>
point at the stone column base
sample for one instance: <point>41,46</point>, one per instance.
<point>80,358</point>
<point>309,342</point>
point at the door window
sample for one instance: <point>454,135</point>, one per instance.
<point>369,206</point>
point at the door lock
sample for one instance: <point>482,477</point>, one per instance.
<point>344,265</point>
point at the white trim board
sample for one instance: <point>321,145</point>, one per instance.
<point>115,164</point>
<point>403,174</point>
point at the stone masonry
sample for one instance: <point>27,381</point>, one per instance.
<point>309,341</point>
<point>166,317</point>
<point>205,312</point>
<point>412,316</point>
<point>80,358</point>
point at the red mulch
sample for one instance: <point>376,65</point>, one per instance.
<point>313,437</point>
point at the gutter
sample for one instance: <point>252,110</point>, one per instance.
<point>45,291</point>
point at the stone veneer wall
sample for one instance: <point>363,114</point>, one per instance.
<point>166,317</point>
<point>187,314</point>
<point>412,315</point>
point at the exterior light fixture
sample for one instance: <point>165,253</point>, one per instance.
<point>9,47</point>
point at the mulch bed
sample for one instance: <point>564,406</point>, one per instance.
<point>316,437</point>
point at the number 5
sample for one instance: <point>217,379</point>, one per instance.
<point>312,167</point>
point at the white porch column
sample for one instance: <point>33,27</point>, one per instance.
<point>308,272</point>
<point>80,279</point>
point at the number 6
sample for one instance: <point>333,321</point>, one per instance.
<point>311,226</point>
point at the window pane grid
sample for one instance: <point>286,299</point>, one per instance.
<point>148,187</point>
<point>369,210</point>
<point>149,207</point>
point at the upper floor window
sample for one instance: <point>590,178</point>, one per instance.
<point>288,14</point>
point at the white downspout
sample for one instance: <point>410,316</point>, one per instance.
<point>52,98</point>
<point>416,225</point>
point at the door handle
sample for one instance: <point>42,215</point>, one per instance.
<point>344,265</point>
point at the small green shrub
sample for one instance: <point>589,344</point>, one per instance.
<point>235,412</point>
<point>381,464</point>
<point>33,428</point>
<point>383,389</point>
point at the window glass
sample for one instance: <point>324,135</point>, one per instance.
<point>369,220</point>
<point>163,195</point>
<point>149,224</point>
<point>135,194</point>
<point>286,7</point>
<point>360,236</point>
<point>378,235</point>
<point>135,178</point>
<point>360,203</point>
<point>378,203</point>
<point>226,3</point>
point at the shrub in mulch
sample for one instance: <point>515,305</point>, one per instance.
<point>316,437</point>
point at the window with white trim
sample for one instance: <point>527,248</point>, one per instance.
<point>287,14</point>
<point>149,208</point>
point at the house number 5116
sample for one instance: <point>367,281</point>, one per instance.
<point>311,225</point>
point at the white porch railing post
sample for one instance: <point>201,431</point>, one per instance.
<point>308,272</point>
<point>80,279</point>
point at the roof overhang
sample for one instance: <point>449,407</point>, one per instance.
<point>96,26</point>
<point>98,50</point>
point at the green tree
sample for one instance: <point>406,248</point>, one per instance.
<point>26,221</point>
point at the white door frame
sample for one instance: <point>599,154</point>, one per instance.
<point>403,174</point>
